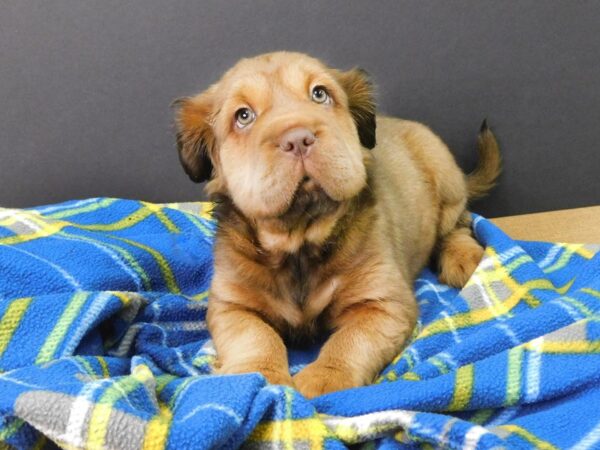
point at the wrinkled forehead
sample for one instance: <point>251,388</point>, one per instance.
<point>274,74</point>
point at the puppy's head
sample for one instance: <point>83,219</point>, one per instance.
<point>278,132</point>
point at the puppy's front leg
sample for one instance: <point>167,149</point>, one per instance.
<point>246,343</point>
<point>369,334</point>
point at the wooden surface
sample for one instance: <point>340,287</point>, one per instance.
<point>580,225</point>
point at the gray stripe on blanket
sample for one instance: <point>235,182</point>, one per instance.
<point>50,412</point>
<point>125,431</point>
<point>574,332</point>
<point>474,294</point>
<point>297,445</point>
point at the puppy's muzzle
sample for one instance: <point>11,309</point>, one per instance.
<point>297,141</point>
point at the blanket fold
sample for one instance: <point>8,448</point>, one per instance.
<point>103,344</point>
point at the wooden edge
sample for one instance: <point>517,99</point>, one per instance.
<point>579,225</point>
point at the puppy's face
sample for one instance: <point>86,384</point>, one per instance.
<point>280,133</point>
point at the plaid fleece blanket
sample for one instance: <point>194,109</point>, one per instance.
<point>103,344</point>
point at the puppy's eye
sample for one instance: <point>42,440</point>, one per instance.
<point>244,117</point>
<point>320,95</point>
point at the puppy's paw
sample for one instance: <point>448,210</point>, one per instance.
<point>317,379</point>
<point>283,378</point>
<point>273,375</point>
<point>458,259</point>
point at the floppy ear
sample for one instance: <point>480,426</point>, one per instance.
<point>359,90</point>
<point>195,138</point>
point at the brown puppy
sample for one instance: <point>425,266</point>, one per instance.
<point>321,230</point>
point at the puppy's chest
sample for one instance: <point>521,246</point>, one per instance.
<point>303,282</point>
<point>297,277</point>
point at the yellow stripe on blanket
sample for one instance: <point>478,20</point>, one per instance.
<point>10,321</point>
<point>529,437</point>
<point>125,222</point>
<point>158,429</point>
<point>62,326</point>
<point>575,347</point>
<point>45,230</point>
<point>157,210</point>
<point>82,209</point>
<point>289,431</point>
<point>160,260</point>
<point>463,389</point>
<point>479,316</point>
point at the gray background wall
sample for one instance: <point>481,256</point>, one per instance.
<point>85,86</point>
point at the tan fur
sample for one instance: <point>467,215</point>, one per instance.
<point>331,242</point>
<point>483,178</point>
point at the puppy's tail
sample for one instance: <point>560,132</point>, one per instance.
<point>483,178</point>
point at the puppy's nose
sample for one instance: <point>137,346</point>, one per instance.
<point>298,141</point>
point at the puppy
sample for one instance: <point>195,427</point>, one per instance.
<point>321,231</point>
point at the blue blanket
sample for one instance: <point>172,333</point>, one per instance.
<point>103,344</point>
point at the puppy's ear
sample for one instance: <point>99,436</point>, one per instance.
<point>195,138</point>
<point>361,102</point>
